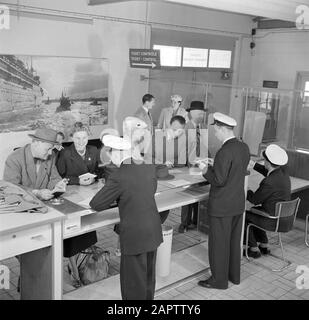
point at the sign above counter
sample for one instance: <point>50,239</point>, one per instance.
<point>145,58</point>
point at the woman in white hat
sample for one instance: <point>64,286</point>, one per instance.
<point>275,187</point>
<point>174,110</point>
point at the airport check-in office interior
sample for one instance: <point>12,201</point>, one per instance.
<point>242,58</point>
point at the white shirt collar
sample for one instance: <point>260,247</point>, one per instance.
<point>145,109</point>
<point>228,139</point>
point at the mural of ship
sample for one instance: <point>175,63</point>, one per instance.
<point>65,104</point>
<point>20,86</point>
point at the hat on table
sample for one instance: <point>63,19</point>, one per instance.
<point>196,105</point>
<point>162,172</point>
<point>115,142</point>
<point>45,135</point>
<point>275,155</point>
<point>221,119</point>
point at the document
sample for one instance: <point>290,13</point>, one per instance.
<point>179,183</point>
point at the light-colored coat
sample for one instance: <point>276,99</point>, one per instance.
<point>20,169</point>
<point>167,114</point>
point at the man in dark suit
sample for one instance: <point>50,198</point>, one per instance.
<point>143,112</point>
<point>133,185</point>
<point>275,187</point>
<point>226,175</point>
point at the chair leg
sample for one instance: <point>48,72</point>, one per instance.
<point>286,262</point>
<point>247,242</point>
<point>306,231</point>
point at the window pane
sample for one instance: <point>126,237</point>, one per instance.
<point>220,59</point>
<point>193,57</point>
<point>169,56</point>
<point>307,89</point>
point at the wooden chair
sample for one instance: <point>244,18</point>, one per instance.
<point>284,209</point>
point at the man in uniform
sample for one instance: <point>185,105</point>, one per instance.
<point>134,186</point>
<point>226,175</point>
<point>275,187</point>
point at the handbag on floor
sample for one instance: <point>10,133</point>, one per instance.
<point>93,264</point>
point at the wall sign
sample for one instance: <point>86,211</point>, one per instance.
<point>145,58</point>
<point>270,84</point>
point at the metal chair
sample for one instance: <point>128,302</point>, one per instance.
<point>284,209</point>
<point>306,231</point>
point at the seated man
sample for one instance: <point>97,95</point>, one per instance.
<point>275,187</point>
<point>33,167</point>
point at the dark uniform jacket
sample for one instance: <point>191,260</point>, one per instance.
<point>274,188</point>
<point>71,165</point>
<point>227,176</point>
<point>134,186</point>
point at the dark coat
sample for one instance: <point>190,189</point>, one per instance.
<point>272,189</point>
<point>71,165</point>
<point>227,176</point>
<point>134,186</point>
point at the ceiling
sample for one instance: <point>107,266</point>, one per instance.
<point>273,9</point>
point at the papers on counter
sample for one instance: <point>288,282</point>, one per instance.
<point>87,175</point>
<point>179,183</point>
<point>85,203</point>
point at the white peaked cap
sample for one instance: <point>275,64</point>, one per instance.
<point>110,131</point>
<point>115,142</point>
<point>276,155</point>
<point>223,119</point>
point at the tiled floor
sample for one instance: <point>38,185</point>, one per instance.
<point>257,283</point>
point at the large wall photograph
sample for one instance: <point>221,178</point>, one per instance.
<point>55,92</point>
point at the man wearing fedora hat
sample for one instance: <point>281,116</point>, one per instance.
<point>197,145</point>
<point>226,205</point>
<point>275,187</point>
<point>33,167</point>
<point>133,186</point>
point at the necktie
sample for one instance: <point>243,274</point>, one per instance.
<point>198,141</point>
<point>176,151</point>
<point>164,149</point>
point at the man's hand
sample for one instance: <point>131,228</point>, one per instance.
<point>43,194</point>
<point>86,181</point>
<point>202,163</point>
<point>251,164</point>
<point>61,186</point>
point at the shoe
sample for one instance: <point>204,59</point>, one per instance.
<point>253,254</point>
<point>182,229</point>
<point>264,251</point>
<point>207,284</point>
<point>192,226</point>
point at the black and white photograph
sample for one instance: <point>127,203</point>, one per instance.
<point>154,151</point>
